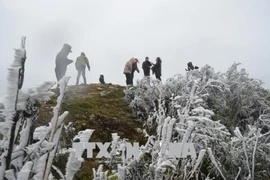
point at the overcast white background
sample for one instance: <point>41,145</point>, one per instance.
<point>214,32</point>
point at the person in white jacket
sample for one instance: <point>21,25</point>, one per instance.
<point>81,63</point>
<point>128,70</point>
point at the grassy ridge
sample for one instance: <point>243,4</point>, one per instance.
<point>99,107</point>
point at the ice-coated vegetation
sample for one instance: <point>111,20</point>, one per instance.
<point>27,152</point>
<point>225,115</point>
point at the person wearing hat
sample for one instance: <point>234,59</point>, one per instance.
<point>81,63</point>
<point>61,62</point>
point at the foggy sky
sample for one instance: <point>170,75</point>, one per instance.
<point>211,32</point>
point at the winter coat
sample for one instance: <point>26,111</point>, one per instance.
<point>157,69</point>
<point>61,63</point>
<point>146,67</point>
<point>101,79</point>
<point>135,67</point>
<point>82,61</point>
<point>128,66</point>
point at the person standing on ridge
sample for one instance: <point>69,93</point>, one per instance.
<point>157,68</point>
<point>191,67</point>
<point>128,71</point>
<point>101,79</point>
<point>81,63</point>
<point>61,63</point>
<point>146,65</point>
<point>134,68</point>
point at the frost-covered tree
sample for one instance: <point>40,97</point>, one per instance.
<point>2,107</point>
<point>221,113</point>
<point>25,152</point>
<point>143,99</point>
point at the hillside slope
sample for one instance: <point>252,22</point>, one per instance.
<point>94,106</point>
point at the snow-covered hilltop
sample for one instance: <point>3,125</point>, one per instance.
<point>223,118</point>
<point>226,116</point>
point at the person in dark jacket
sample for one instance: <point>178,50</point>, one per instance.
<point>156,69</point>
<point>191,67</point>
<point>61,62</point>
<point>146,65</point>
<point>101,79</point>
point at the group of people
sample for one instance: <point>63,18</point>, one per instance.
<point>132,65</point>
<point>62,62</point>
<point>82,63</point>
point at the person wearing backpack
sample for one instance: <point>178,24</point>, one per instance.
<point>81,64</point>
